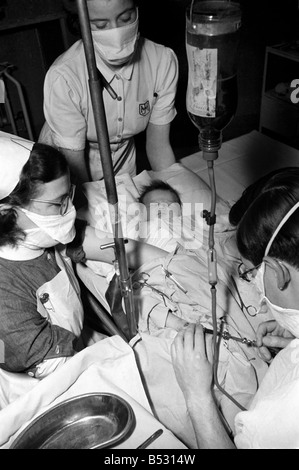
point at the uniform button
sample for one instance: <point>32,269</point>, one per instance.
<point>117,77</point>
<point>120,119</point>
<point>119,98</point>
<point>119,136</point>
<point>31,374</point>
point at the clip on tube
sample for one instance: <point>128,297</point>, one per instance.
<point>212,266</point>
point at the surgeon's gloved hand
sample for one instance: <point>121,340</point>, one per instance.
<point>271,338</point>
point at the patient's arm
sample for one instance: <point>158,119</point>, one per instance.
<point>137,252</point>
<point>175,322</point>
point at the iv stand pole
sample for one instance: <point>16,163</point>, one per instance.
<point>96,91</point>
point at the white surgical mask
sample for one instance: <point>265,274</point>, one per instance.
<point>258,280</point>
<point>51,229</point>
<point>116,46</point>
<point>287,318</point>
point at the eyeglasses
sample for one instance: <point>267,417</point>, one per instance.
<point>246,274</point>
<point>64,203</point>
<point>250,309</point>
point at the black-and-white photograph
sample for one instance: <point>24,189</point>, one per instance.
<point>149,227</point>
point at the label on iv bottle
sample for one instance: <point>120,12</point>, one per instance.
<point>202,81</point>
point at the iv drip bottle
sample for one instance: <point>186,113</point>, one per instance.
<point>212,36</point>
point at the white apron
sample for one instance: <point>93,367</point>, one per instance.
<point>59,301</point>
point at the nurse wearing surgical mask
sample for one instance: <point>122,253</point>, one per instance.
<point>143,76</point>
<point>41,312</point>
<point>268,241</point>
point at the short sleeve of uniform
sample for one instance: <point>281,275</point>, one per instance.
<point>65,98</point>
<point>164,111</point>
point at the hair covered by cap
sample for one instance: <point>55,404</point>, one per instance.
<point>14,153</point>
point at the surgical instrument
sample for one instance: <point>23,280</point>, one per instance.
<point>171,276</point>
<point>151,439</point>
<point>226,336</point>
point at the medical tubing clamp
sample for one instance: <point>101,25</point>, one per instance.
<point>126,284</point>
<point>96,92</point>
<point>227,336</point>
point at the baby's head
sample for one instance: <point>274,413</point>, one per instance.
<point>159,199</point>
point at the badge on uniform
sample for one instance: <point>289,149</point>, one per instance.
<point>144,108</point>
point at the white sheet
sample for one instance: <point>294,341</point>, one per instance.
<point>243,160</point>
<point>107,366</point>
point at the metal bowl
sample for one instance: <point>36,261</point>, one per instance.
<point>91,421</point>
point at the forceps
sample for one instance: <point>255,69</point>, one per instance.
<point>171,276</point>
<point>249,342</point>
<point>250,309</point>
<point>143,282</point>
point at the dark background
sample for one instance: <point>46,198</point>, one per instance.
<point>34,32</point>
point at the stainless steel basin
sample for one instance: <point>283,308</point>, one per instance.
<point>90,421</point>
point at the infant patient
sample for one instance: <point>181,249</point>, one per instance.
<point>158,198</point>
<point>165,221</point>
<point>157,218</point>
<point>162,224</point>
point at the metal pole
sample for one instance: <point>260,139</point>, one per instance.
<point>23,105</point>
<point>96,92</point>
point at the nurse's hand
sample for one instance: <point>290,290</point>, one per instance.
<point>270,336</point>
<point>191,362</point>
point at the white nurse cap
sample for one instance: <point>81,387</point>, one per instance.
<point>14,153</point>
